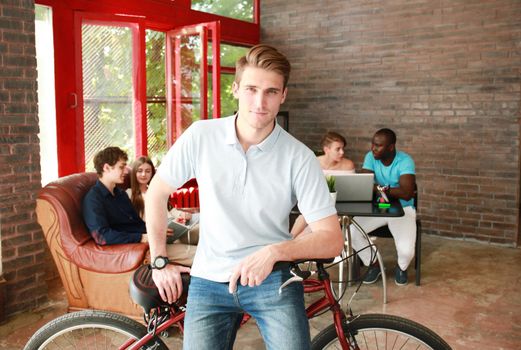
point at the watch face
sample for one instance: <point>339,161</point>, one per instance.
<point>160,262</point>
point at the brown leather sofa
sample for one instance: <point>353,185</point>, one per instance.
<point>94,277</point>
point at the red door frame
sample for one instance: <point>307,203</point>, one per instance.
<point>151,14</point>
<point>138,78</point>
<point>174,98</point>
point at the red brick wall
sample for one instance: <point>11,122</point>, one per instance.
<point>23,250</point>
<point>445,75</point>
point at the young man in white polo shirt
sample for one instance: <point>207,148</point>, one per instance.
<point>250,174</point>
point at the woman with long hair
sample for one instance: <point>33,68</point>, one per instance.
<point>142,172</point>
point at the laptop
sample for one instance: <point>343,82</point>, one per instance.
<point>354,187</point>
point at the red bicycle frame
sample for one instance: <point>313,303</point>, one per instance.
<point>327,301</point>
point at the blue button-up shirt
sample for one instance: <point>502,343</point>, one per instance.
<point>111,219</point>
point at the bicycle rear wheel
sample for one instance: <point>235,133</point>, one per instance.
<point>379,331</point>
<point>90,329</point>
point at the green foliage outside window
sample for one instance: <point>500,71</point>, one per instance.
<point>238,9</point>
<point>107,89</point>
<point>156,95</point>
<point>229,55</point>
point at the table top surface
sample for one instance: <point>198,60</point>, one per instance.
<point>369,209</point>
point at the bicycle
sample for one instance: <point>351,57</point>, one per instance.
<point>105,330</point>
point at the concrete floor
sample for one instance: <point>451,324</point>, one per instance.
<point>470,295</point>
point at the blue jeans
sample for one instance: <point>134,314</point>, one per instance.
<point>213,314</point>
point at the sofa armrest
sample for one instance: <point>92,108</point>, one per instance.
<point>116,258</point>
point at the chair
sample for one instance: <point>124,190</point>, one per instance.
<point>385,233</point>
<point>94,277</point>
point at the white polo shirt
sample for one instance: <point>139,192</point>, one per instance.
<point>245,198</point>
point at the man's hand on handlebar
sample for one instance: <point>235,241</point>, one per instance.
<point>168,281</point>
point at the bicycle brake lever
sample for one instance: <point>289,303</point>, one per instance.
<point>295,278</point>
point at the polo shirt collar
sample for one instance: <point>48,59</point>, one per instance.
<point>266,145</point>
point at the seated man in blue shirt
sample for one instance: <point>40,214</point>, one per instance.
<point>395,170</point>
<point>108,212</point>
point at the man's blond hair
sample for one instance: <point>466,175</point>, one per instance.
<point>264,57</point>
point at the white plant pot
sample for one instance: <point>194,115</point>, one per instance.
<point>333,197</point>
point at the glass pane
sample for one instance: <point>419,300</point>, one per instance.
<point>189,86</point>
<point>107,89</point>
<point>228,102</point>
<point>229,54</point>
<point>156,96</point>
<point>238,9</point>
<point>156,131</point>
<point>46,97</point>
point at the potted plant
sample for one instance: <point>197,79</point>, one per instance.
<point>330,180</point>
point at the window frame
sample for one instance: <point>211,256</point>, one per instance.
<point>159,15</point>
<point>138,79</point>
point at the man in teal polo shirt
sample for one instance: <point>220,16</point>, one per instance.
<point>394,171</point>
<point>250,174</point>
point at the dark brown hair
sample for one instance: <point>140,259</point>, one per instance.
<point>110,156</point>
<point>137,196</point>
<point>265,57</point>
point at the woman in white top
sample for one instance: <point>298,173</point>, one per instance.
<point>142,172</point>
<point>332,162</point>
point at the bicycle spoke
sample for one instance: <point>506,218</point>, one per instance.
<point>88,338</point>
<point>382,339</point>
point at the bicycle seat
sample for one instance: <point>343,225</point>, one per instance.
<point>144,292</point>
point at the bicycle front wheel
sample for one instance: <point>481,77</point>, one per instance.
<point>90,329</point>
<point>378,331</point>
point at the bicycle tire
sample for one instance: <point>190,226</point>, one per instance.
<point>82,329</point>
<point>379,331</point>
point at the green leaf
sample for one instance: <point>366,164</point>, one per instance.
<point>330,180</point>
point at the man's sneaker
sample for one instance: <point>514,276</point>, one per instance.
<point>373,273</point>
<point>400,276</point>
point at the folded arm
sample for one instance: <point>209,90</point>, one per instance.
<point>405,189</point>
<point>324,241</point>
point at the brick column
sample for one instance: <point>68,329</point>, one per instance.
<point>23,248</point>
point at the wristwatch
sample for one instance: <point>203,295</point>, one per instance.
<point>160,262</point>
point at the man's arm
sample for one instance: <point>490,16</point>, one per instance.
<point>325,241</point>
<point>299,226</point>
<point>167,280</point>
<point>405,190</point>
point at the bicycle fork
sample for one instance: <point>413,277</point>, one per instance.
<point>338,317</point>
<point>328,301</point>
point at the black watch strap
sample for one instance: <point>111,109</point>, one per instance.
<point>160,262</point>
